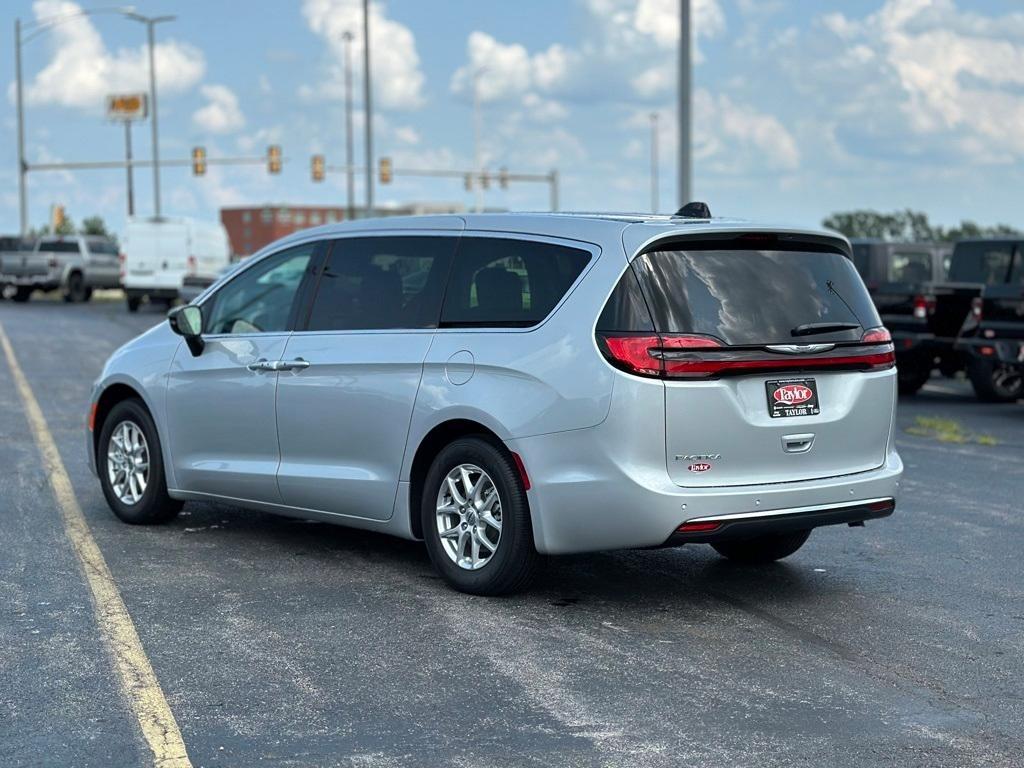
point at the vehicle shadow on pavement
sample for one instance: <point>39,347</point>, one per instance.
<point>679,576</point>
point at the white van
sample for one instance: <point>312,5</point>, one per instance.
<point>159,253</point>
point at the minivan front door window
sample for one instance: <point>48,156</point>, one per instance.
<point>260,299</point>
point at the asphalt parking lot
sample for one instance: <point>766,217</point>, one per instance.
<point>300,644</point>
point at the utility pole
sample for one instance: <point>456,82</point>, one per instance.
<point>350,172</point>
<point>22,198</point>
<point>368,106</point>
<point>685,86</point>
<point>478,162</point>
<point>151,22</point>
<point>128,165</point>
<point>654,162</point>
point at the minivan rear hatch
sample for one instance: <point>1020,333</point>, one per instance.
<point>772,355</point>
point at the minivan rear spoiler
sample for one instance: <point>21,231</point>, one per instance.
<point>639,239</point>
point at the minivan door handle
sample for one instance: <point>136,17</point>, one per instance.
<point>298,364</point>
<point>797,443</point>
<point>261,365</point>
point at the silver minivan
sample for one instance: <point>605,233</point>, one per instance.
<point>510,386</point>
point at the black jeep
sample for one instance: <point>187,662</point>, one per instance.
<point>991,340</point>
<point>906,281</point>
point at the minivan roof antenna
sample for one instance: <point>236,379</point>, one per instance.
<point>694,210</point>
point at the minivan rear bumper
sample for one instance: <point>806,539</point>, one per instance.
<point>588,497</point>
<point>741,525</point>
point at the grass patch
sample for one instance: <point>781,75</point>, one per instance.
<point>947,431</point>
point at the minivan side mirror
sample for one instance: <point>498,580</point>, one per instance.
<point>187,321</point>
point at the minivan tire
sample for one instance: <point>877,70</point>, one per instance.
<point>762,549</point>
<point>992,384</point>
<point>133,303</point>
<point>21,294</point>
<point>154,506</point>
<point>515,562</point>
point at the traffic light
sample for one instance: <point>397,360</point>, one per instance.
<point>503,178</point>
<point>56,218</point>
<point>198,161</point>
<point>317,167</point>
<point>469,182</point>
<point>385,170</point>
<point>274,158</point>
<point>485,181</point>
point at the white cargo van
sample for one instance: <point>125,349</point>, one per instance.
<point>160,253</point>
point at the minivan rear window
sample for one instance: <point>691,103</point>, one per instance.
<point>755,297</point>
<point>981,262</point>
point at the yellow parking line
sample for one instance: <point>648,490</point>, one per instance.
<point>141,688</point>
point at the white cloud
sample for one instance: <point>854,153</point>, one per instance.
<point>397,77</point>
<point>221,113</point>
<point>507,70</point>
<point>956,76</point>
<point>627,53</point>
<point>544,110</point>
<point>729,138</point>
<point>82,71</point>
<point>740,136</point>
<point>406,134</point>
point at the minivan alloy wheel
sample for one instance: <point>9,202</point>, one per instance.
<point>128,462</point>
<point>469,517</point>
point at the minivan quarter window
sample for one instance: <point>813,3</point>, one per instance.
<point>508,282</point>
<point>260,299</point>
<point>382,282</point>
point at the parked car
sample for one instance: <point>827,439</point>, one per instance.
<point>553,384</point>
<point>12,249</point>
<point>992,337</point>
<point>73,264</point>
<point>161,253</point>
<point>902,280</point>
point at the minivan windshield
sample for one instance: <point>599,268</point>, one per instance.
<point>752,297</point>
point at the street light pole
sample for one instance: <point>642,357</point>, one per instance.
<point>654,162</point>
<point>128,165</point>
<point>349,146</point>
<point>22,198</point>
<point>685,86</point>
<point>478,163</point>
<point>151,22</point>
<point>368,106</point>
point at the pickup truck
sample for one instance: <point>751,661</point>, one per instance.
<point>73,264</point>
<point>903,280</point>
<point>11,249</point>
<point>992,337</point>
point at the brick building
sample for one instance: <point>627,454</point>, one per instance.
<point>252,227</point>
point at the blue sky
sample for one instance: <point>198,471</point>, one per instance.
<point>801,108</point>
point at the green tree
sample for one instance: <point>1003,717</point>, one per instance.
<point>94,225</point>
<point>908,226</point>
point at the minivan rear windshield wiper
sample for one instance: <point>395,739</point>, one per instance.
<point>810,329</point>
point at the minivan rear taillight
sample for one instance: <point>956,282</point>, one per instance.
<point>700,357</point>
